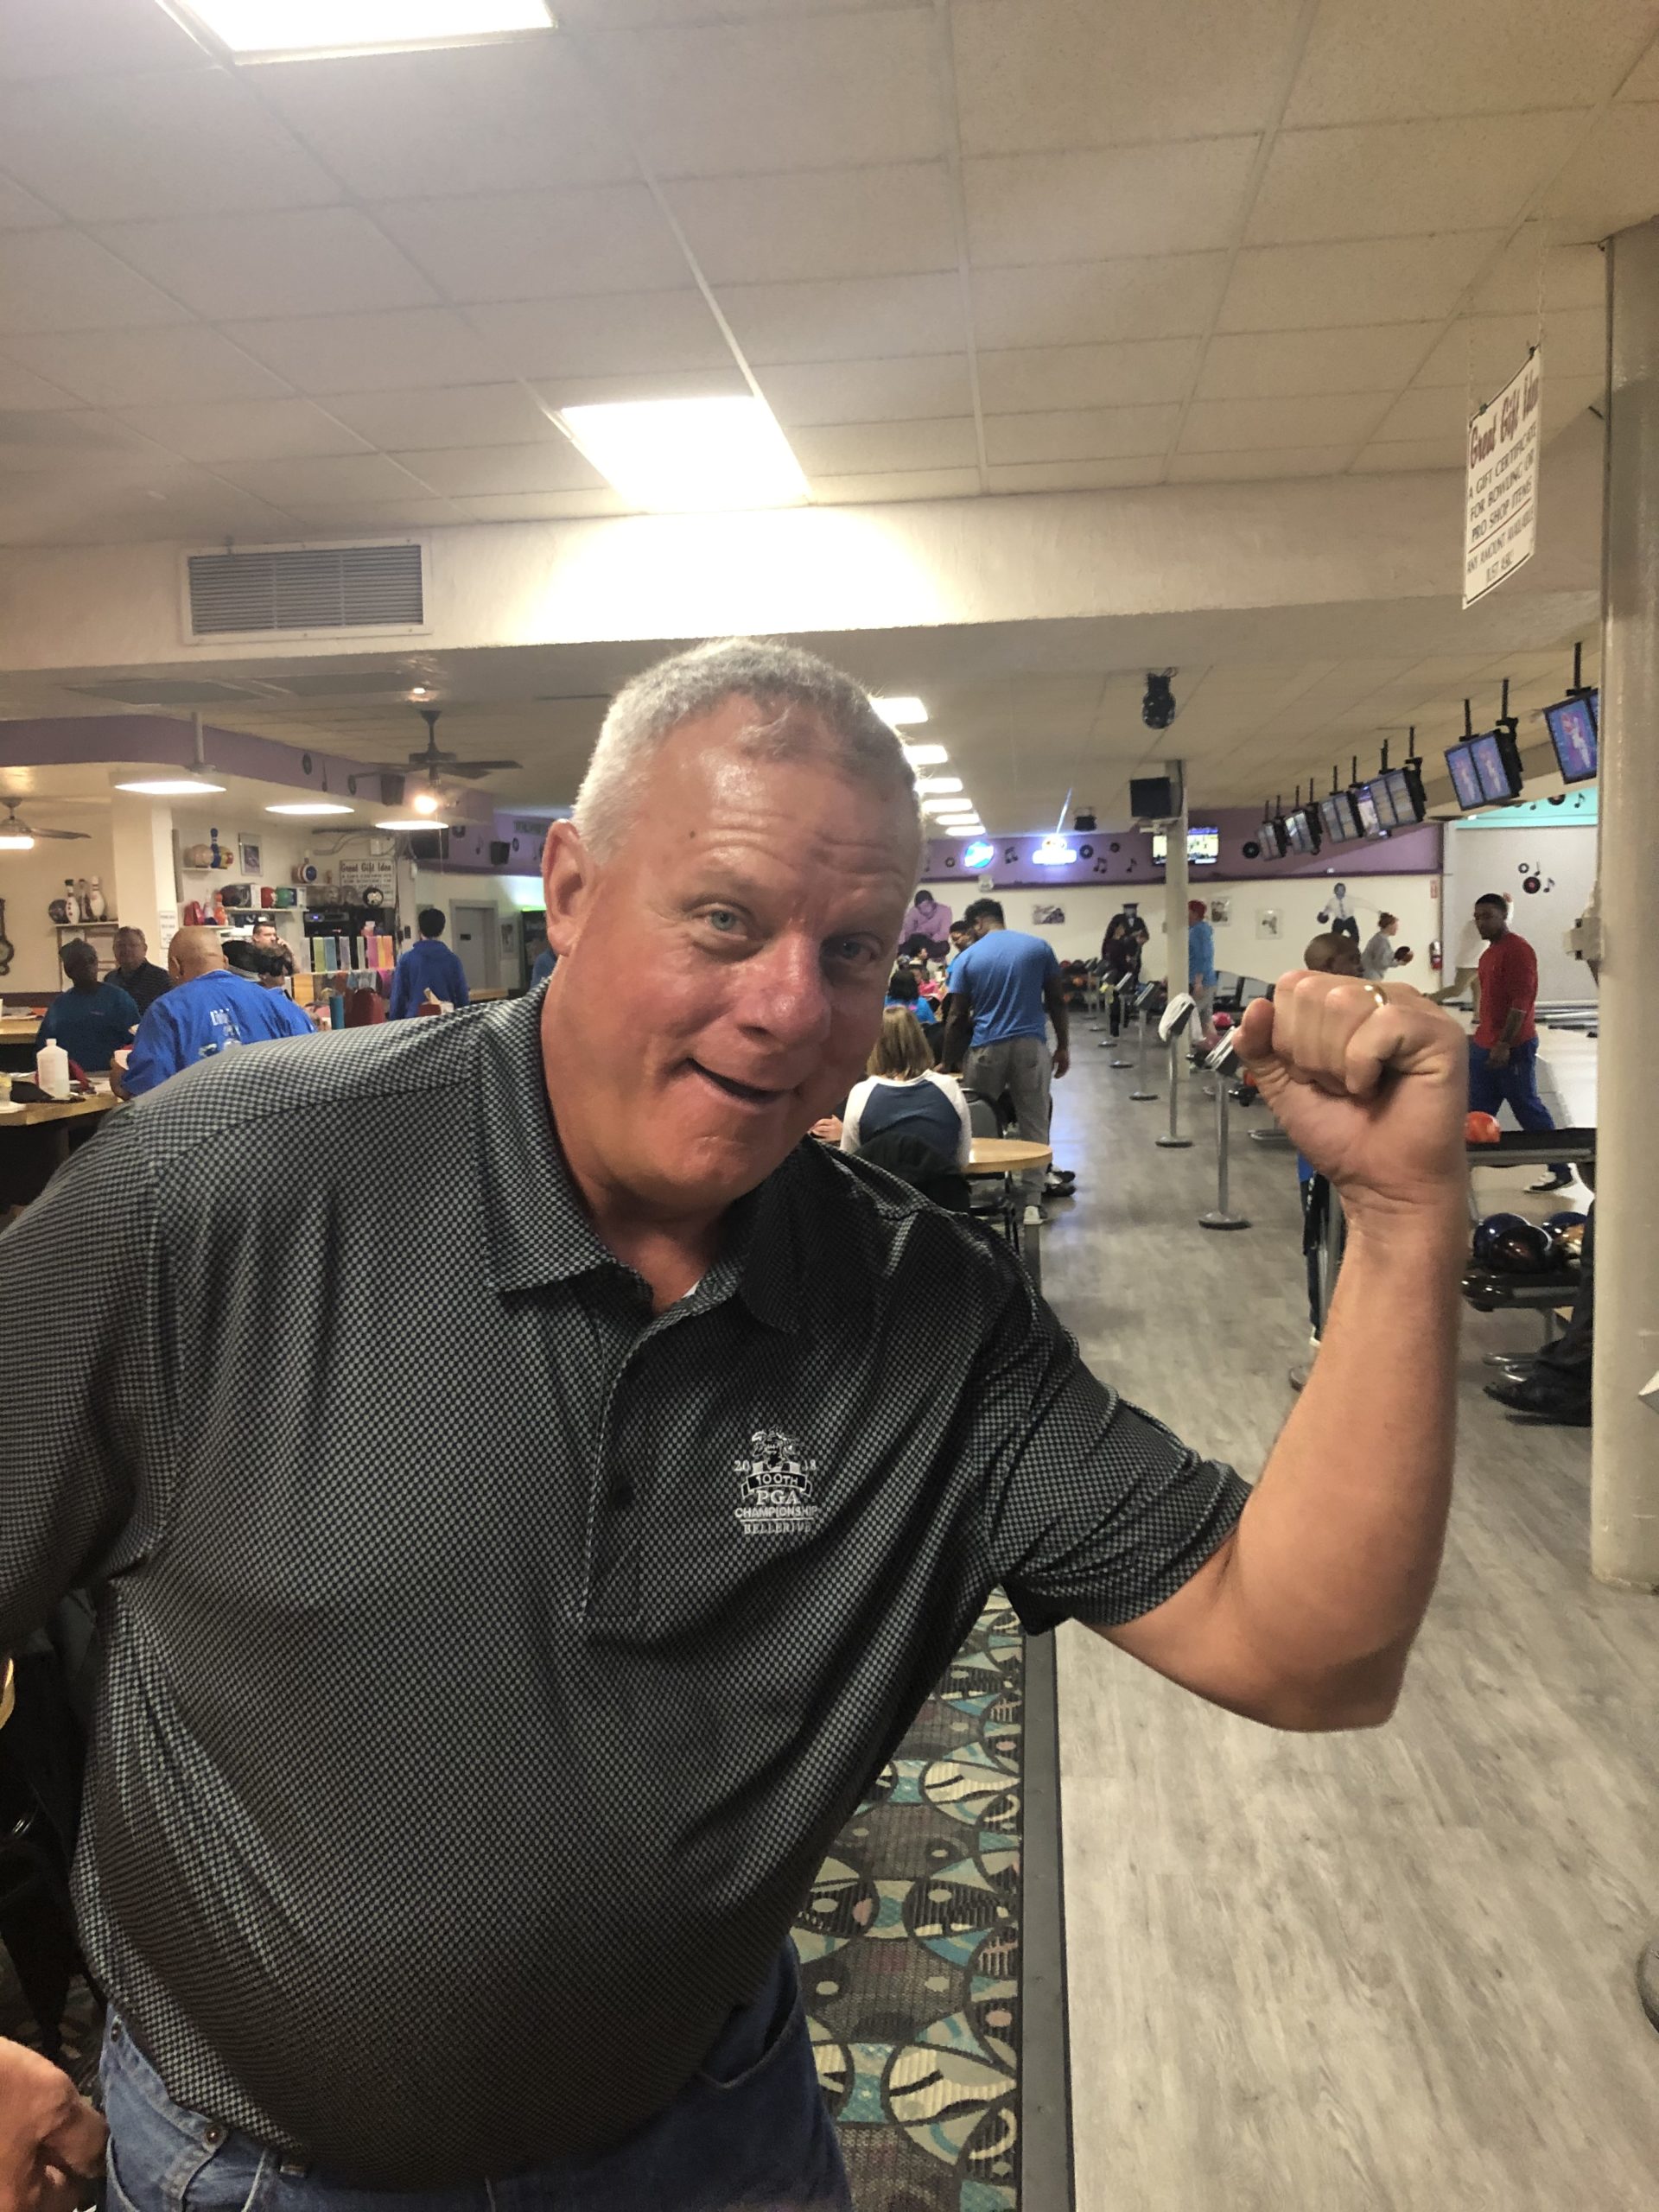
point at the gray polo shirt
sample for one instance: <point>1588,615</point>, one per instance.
<point>488,1664</point>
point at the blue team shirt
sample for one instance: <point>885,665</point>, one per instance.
<point>1002,976</point>
<point>207,1016</point>
<point>1200,952</point>
<point>91,1026</point>
<point>546,962</point>
<point>428,965</point>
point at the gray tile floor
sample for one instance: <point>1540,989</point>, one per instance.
<point>1347,1973</point>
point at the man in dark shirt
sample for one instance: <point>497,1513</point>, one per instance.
<point>466,1741</point>
<point>92,1021</point>
<point>1503,1052</point>
<point>428,965</point>
<point>136,972</point>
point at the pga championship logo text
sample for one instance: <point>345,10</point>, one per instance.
<point>779,1485</point>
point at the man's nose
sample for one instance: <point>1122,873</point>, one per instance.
<point>787,995</point>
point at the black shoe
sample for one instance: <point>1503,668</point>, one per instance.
<point>1540,1400</point>
<point>1552,1183</point>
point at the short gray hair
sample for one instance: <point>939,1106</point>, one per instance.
<point>805,707</point>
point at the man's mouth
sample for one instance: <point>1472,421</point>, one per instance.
<point>748,1094</point>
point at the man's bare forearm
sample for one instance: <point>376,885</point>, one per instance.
<point>1337,1552</point>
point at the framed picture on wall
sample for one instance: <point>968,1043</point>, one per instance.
<point>248,852</point>
<point>1221,911</point>
<point>1047,916</point>
<point>1267,921</point>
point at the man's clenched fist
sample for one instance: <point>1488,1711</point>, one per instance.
<point>51,2140</point>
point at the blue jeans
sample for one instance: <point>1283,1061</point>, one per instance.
<point>750,2132</point>
<point>1515,1085</point>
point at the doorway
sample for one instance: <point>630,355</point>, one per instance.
<point>474,929</point>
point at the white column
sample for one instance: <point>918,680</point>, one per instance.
<point>1175,887</point>
<point>143,888</point>
<point>1624,1444</point>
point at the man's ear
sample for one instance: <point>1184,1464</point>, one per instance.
<point>570,877</point>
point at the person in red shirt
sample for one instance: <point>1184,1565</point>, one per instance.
<point>1503,1052</point>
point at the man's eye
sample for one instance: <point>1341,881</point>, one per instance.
<point>848,949</point>
<point>722,918</point>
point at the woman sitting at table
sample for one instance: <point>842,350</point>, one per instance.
<point>904,1094</point>
<point>904,991</point>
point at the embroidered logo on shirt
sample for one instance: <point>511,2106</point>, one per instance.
<point>779,1485</point>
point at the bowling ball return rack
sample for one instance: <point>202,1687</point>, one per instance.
<point>1487,1291</point>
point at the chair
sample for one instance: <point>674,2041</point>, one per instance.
<point>998,1200</point>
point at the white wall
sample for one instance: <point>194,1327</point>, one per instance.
<point>1564,861</point>
<point>1240,949</point>
<point>29,880</point>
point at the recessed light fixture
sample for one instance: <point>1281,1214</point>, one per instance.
<point>172,787</point>
<point>897,712</point>
<point>405,822</point>
<point>291,30</point>
<point>309,808</point>
<point>16,841</point>
<point>689,455</point>
<point>924,756</point>
<point>938,783</point>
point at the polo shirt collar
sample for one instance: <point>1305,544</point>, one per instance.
<point>536,1227</point>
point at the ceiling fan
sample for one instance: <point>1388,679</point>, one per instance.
<point>11,827</point>
<point>437,762</point>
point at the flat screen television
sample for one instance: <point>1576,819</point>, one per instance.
<point>1497,764</point>
<point>1465,777</point>
<point>1405,790</point>
<point>1273,838</point>
<point>1572,732</point>
<point>1203,848</point>
<point>1338,818</point>
<point>1302,828</point>
<point>1364,806</point>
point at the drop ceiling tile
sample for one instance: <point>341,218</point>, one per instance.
<point>545,507</point>
<point>1567,398</point>
<point>1100,205</point>
<point>1385,180</point>
<point>21,210</point>
<point>1572,276</point>
<point>600,14</point>
<point>1368,280</point>
<point>881,487</point>
<point>611,333</point>
<point>178,362</point>
<point>61,280</point>
<point>855,318</point>
<point>1261,462</point>
<point>888,221</point>
<point>459,415</point>
<point>109,149</point>
<point>1642,83</point>
<point>871,448</point>
<point>56,440</point>
<point>1482,353</point>
<point>404,349</point>
<point>1403,455</point>
<point>1076,303</point>
<point>1114,475</point>
<point>472,471</point>
<point>20,389</point>
<point>665,384</point>
<point>1409,58</point>
<point>537,245</point>
<point>1052,75</point>
<point>935,385</point>
<point>341,482</point>
<point>244,430</point>
<point>1284,364</point>
<point>314,261</point>
<point>357,519</point>
<point>1612,181</point>
<point>1080,434</point>
<point>1421,414</point>
<point>518,116</point>
<point>830,91</point>
<point>41,39</point>
<point>1027,379</point>
<point>1239,425</point>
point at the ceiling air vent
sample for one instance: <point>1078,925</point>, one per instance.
<point>306,588</point>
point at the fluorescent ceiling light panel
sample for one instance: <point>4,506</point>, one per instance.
<point>944,806</point>
<point>172,787</point>
<point>938,783</point>
<point>686,456</point>
<point>407,821</point>
<point>896,713</point>
<point>15,841</point>
<point>924,756</point>
<point>306,807</point>
<point>271,30</point>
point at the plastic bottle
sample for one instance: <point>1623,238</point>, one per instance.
<point>52,1071</point>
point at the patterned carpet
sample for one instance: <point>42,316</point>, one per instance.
<point>910,1950</point>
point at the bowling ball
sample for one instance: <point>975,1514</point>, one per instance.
<point>1510,1244</point>
<point>1566,1235</point>
<point>1481,1128</point>
<point>1223,1021</point>
<point>1403,956</point>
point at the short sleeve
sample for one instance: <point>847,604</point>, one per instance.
<point>857,1100</point>
<point>1052,965</point>
<point>155,1053</point>
<point>1091,1510</point>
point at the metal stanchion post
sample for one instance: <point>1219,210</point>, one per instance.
<point>1140,1069</point>
<point>1331,1247</point>
<point>1174,1140</point>
<point>1223,1216</point>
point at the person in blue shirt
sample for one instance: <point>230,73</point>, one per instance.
<point>904,990</point>
<point>546,961</point>
<point>91,1021</point>
<point>210,1008</point>
<point>1201,974</point>
<point>428,965</point>
<point>1007,986</point>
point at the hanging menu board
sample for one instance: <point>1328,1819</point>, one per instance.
<point>1501,489</point>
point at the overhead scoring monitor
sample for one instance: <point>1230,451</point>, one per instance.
<point>1572,726</point>
<point>1497,765</point>
<point>1465,777</point>
<point>1203,848</point>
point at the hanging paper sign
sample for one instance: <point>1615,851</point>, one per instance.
<point>1501,489</point>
